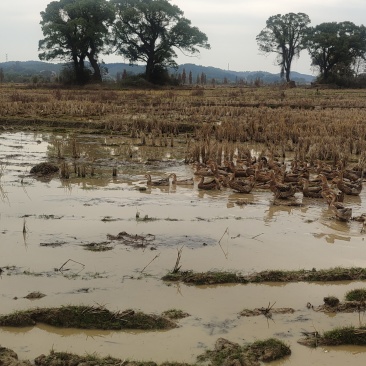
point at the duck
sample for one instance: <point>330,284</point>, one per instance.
<point>313,191</point>
<point>203,171</point>
<point>324,182</point>
<point>217,171</point>
<point>161,182</point>
<point>241,186</point>
<point>342,213</point>
<point>351,174</point>
<point>281,190</point>
<point>326,170</point>
<point>239,172</point>
<point>350,188</point>
<point>212,184</point>
<point>262,176</point>
<point>182,182</point>
<point>327,193</point>
<point>361,218</point>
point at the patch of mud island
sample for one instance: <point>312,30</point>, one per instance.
<point>222,277</point>
<point>225,353</point>
<point>87,317</point>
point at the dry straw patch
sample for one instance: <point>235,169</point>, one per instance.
<point>314,124</point>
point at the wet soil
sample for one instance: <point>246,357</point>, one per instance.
<point>45,225</point>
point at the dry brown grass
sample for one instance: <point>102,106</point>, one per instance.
<point>326,124</point>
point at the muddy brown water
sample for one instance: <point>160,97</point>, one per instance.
<point>62,215</point>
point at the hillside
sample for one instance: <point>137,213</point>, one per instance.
<point>23,71</point>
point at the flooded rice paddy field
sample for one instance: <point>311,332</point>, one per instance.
<point>47,223</point>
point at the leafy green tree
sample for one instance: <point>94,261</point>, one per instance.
<point>150,31</point>
<point>1,75</point>
<point>335,47</point>
<point>76,30</point>
<point>284,35</point>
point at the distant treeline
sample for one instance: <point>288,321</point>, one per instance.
<point>38,71</point>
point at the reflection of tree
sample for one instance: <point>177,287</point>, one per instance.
<point>3,194</point>
<point>66,184</point>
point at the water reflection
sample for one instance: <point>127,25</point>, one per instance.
<point>331,238</point>
<point>275,210</point>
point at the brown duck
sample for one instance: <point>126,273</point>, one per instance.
<point>182,182</point>
<point>281,190</point>
<point>241,186</point>
<point>313,191</point>
<point>212,184</point>
<point>342,213</point>
<point>161,182</point>
<point>353,189</point>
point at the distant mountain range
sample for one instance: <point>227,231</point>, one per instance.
<point>27,69</point>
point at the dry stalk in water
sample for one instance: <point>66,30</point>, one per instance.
<point>177,266</point>
<point>227,252</point>
<point>157,256</point>
<point>24,227</point>
<point>70,260</point>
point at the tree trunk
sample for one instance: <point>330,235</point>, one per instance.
<point>97,76</point>
<point>78,68</point>
<point>149,69</point>
<point>288,71</point>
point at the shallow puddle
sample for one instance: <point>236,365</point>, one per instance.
<point>45,225</point>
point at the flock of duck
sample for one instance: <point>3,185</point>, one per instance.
<point>318,181</point>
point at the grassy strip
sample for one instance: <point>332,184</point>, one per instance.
<point>221,277</point>
<point>69,359</point>
<point>205,278</point>
<point>229,353</point>
<point>86,317</point>
<point>336,337</point>
<point>358,294</point>
<point>225,353</point>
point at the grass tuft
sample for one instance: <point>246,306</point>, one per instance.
<point>358,294</point>
<point>87,317</point>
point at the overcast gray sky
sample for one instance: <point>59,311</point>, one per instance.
<point>230,25</point>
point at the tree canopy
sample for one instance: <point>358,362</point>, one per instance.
<point>151,30</point>
<point>76,30</point>
<point>335,47</point>
<point>284,35</point>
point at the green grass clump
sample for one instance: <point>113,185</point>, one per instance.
<point>269,350</point>
<point>336,337</point>
<point>358,294</point>
<point>313,275</point>
<point>87,317</point>
<point>331,301</point>
<point>175,314</point>
<point>67,359</point>
<point>229,353</point>
<point>345,335</point>
<point>205,278</point>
